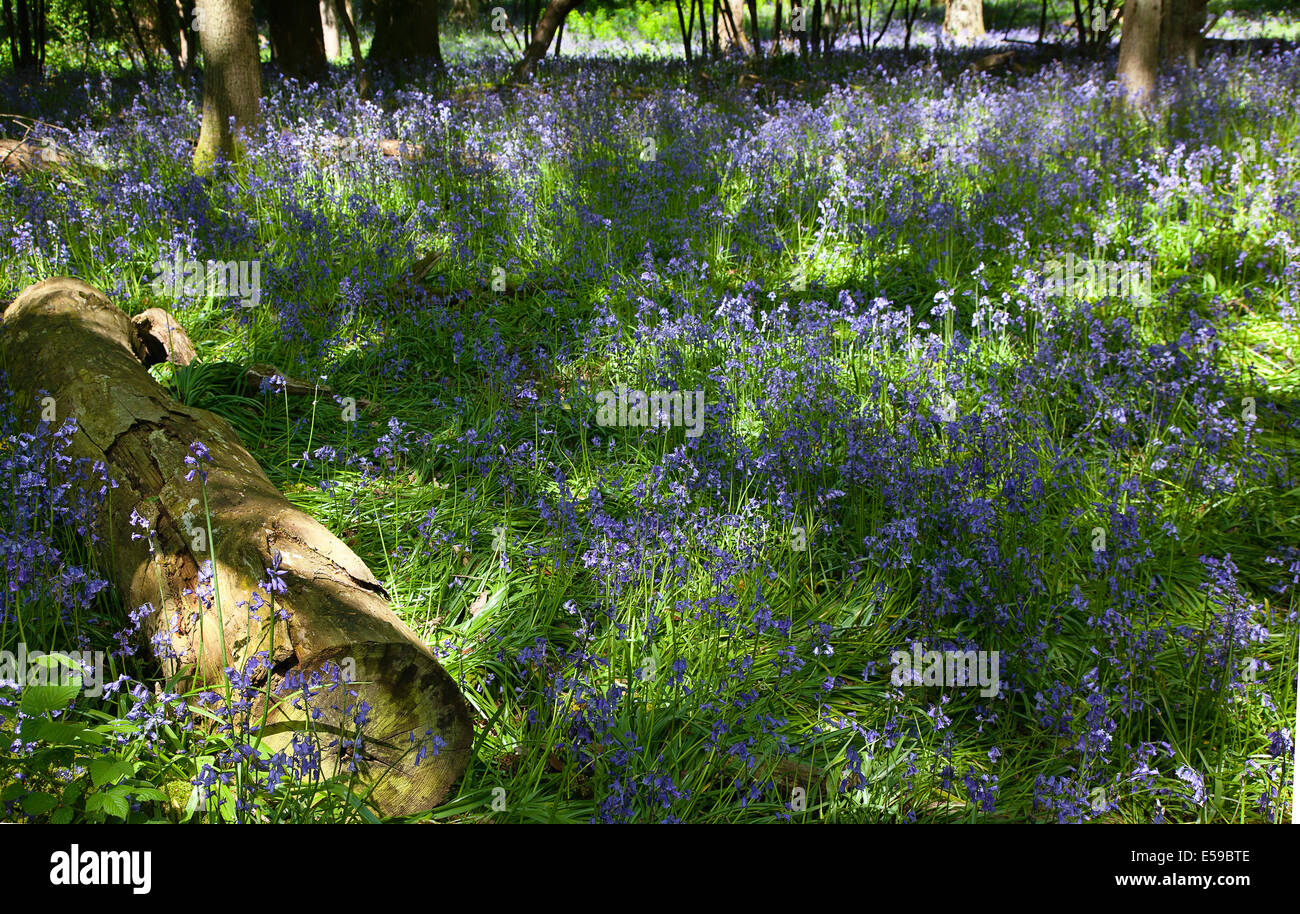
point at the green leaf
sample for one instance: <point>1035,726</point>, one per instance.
<point>149,793</point>
<point>116,803</point>
<point>53,681</point>
<point>63,733</point>
<point>42,699</point>
<point>110,770</point>
<point>62,815</point>
<point>38,804</point>
<point>227,804</point>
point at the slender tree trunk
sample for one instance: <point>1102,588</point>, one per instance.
<point>545,31</point>
<point>26,27</point>
<point>1080,26</point>
<point>332,28</point>
<point>816,28</point>
<point>733,13</point>
<point>139,38</point>
<point>704,32</point>
<point>910,11</point>
<point>889,15</point>
<point>189,38</point>
<point>298,39</point>
<point>11,29</point>
<point>686,35</point>
<point>799,15</point>
<point>757,38</point>
<point>169,30</point>
<point>343,13</point>
<point>1139,50</point>
<point>232,78</point>
<point>175,20</point>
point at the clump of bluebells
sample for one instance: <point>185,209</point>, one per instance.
<point>909,438</point>
<point>139,748</point>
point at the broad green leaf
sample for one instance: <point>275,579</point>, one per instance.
<point>38,804</point>
<point>116,802</point>
<point>110,770</point>
<point>42,699</point>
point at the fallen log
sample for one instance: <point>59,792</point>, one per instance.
<point>25,157</point>
<point>161,339</point>
<point>65,339</point>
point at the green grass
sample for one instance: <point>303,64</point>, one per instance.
<point>480,608</point>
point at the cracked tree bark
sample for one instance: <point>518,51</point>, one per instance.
<point>65,339</point>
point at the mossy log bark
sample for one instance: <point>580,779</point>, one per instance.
<point>65,339</point>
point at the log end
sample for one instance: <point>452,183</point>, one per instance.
<point>417,736</point>
<point>162,339</point>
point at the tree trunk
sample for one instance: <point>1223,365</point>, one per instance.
<point>343,12</point>
<point>145,50</point>
<point>1139,50</point>
<point>757,38</point>
<point>685,31</point>
<point>550,20</point>
<point>298,39</point>
<point>26,28</point>
<point>171,33</point>
<point>964,19</point>
<point>910,11</point>
<point>704,33</point>
<point>1180,31</point>
<point>799,23</point>
<point>889,16</point>
<point>232,78</point>
<point>189,38</point>
<point>332,28</point>
<point>405,30</point>
<point>731,15</point>
<point>64,337</point>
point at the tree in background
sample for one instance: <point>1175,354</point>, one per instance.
<point>232,78</point>
<point>175,31</point>
<point>1156,32</point>
<point>551,19</point>
<point>298,38</point>
<point>964,19</point>
<point>1182,31</point>
<point>405,30</point>
<point>343,16</point>
<point>25,25</point>
<point>332,30</point>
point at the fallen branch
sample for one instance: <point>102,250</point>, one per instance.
<point>63,338</point>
